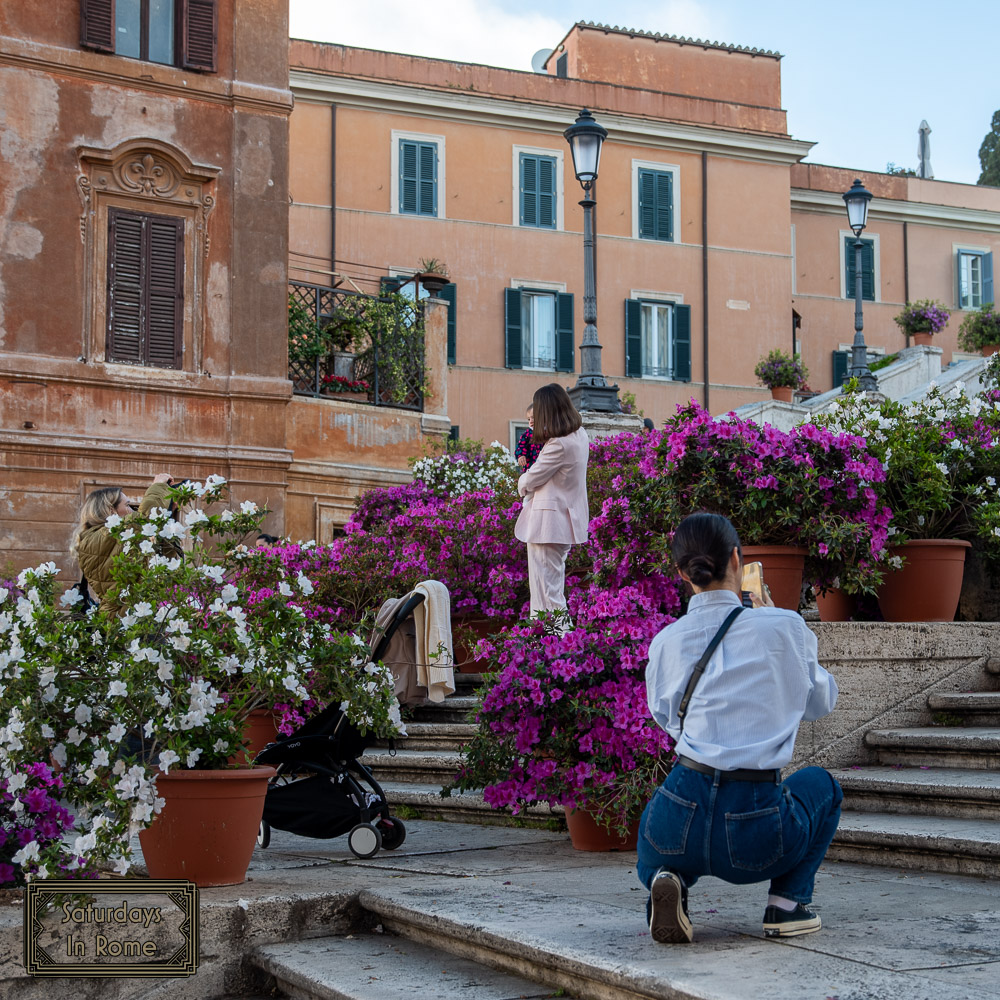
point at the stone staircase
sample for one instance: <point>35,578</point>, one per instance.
<point>931,800</point>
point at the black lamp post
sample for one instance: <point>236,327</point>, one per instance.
<point>591,392</point>
<point>857,200</point>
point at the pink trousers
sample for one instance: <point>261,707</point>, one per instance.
<point>547,576</point>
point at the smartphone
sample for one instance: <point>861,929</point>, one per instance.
<point>753,583</point>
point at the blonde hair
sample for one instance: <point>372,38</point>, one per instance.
<point>96,509</point>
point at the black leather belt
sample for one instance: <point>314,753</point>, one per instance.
<point>740,774</point>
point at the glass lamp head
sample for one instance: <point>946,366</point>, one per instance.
<point>585,137</point>
<point>857,200</point>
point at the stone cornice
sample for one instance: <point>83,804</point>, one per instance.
<point>887,210</point>
<point>551,119</point>
<point>150,77</point>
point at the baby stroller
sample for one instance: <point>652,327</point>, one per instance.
<point>321,789</point>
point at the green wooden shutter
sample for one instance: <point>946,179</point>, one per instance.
<point>408,177</point>
<point>633,338</point>
<point>682,343</point>
<point>428,178</point>
<point>388,284</point>
<point>97,25</point>
<point>867,268</point>
<point>664,206</point>
<point>529,190</point>
<point>564,331</point>
<point>448,294</point>
<point>841,363</point>
<point>546,192</point>
<point>512,323</point>
<point>647,205</point>
<point>164,292</point>
<point>987,278</point>
<point>125,333</point>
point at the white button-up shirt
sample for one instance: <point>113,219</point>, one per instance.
<point>762,680</point>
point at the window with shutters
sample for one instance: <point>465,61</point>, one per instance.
<point>418,175</point>
<point>869,266</point>
<point>655,200</point>
<point>145,302</point>
<point>145,227</point>
<point>974,273</point>
<point>180,33</point>
<point>657,339</point>
<point>539,329</point>
<point>537,192</point>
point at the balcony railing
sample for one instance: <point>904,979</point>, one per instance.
<point>355,347</point>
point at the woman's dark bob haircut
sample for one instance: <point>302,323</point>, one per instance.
<point>702,547</point>
<point>554,412</point>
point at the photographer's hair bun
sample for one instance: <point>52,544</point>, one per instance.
<point>702,546</point>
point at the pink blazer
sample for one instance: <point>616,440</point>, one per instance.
<point>555,493</point>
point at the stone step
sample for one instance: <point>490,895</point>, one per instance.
<point>926,843</point>
<point>380,967</point>
<point>426,802</point>
<point>976,708</point>
<point>976,747</point>
<point>935,791</point>
<point>454,708</point>
<point>428,767</point>
<point>433,736</point>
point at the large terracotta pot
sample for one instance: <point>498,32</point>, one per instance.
<point>835,606</point>
<point>207,830</point>
<point>923,339</point>
<point>928,586</point>
<point>989,349</point>
<point>783,565</point>
<point>466,661</point>
<point>783,393</point>
<point>588,835</point>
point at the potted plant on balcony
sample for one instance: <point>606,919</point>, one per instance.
<point>344,331</point>
<point>782,374</point>
<point>980,331</point>
<point>433,274</point>
<point>144,711</point>
<point>922,319</point>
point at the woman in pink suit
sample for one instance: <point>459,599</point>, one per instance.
<point>555,513</point>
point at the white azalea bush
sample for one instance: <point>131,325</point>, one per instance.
<point>101,704</point>
<point>941,456</point>
<point>491,469</point>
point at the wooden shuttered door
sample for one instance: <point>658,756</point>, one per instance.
<point>145,289</point>
<point>97,25</point>
<point>197,35</point>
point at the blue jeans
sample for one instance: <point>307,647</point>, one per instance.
<point>741,831</point>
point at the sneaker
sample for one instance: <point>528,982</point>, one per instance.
<point>790,923</point>
<point>668,916</point>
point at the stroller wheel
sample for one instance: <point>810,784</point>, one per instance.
<point>364,840</point>
<point>264,833</point>
<point>393,832</point>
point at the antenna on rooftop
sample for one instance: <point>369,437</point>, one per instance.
<point>539,59</point>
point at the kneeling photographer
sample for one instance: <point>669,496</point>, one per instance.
<point>731,686</point>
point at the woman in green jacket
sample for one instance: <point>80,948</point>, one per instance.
<point>94,546</point>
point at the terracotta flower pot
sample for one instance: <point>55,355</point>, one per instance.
<point>261,728</point>
<point>783,565</point>
<point>835,605</point>
<point>466,661</point>
<point>433,281</point>
<point>928,586</point>
<point>989,349</point>
<point>588,835</point>
<point>783,393</point>
<point>207,830</point>
<point>923,339</point>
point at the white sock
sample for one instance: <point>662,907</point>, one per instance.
<point>781,903</point>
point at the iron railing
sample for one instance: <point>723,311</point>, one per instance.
<point>360,348</point>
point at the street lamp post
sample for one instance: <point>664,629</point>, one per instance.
<point>591,392</point>
<point>857,200</point>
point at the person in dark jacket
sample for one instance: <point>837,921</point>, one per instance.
<point>94,546</point>
<point>527,451</point>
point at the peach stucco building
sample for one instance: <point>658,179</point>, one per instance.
<point>715,242</point>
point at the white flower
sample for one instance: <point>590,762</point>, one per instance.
<point>112,521</point>
<point>193,517</point>
<point>142,609</point>
<point>127,534</point>
<point>146,547</point>
<point>212,571</point>
<point>285,590</point>
<point>192,757</point>
<point>48,732</point>
<point>941,467</point>
<point>27,853</point>
<point>220,746</point>
<point>895,562</point>
<point>248,507</point>
<point>226,516</point>
<point>172,529</point>
<point>180,642</point>
<point>83,714</point>
<point>229,593</point>
<point>117,689</point>
<point>162,699</point>
<point>167,759</point>
<point>213,481</point>
<point>304,584</point>
<point>76,736</point>
<point>71,597</point>
<point>16,782</point>
<point>59,754</point>
<point>101,758</point>
<point>921,520</point>
<point>149,529</point>
<point>122,865</point>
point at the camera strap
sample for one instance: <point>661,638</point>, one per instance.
<point>699,667</point>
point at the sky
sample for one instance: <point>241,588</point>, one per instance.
<point>857,77</point>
